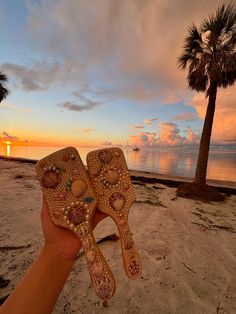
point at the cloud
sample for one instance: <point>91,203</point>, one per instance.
<point>106,143</point>
<point>138,127</point>
<point>35,78</point>
<point>4,136</point>
<point>192,138</point>
<point>85,130</point>
<point>81,104</point>
<point>223,130</point>
<point>143,139</point>
<point>150,121</point>
<point>12,107</point>
<point>129,47</point>
<point>75,107</point>
<point>168,135</point>
<point>185,116</point>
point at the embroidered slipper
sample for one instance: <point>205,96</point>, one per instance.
<point>110,177</point>
<point>72,202</point>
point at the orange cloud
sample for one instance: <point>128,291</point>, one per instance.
<point>143,139</point>
<point>185,116</point>
<point>5,136</point>
<point>85,130</point>
<point>224,130</point>
<point>192,137</point>
<point>14,140</point>
<point>168,135</point>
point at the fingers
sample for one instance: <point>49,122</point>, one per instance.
<point>98,216</point>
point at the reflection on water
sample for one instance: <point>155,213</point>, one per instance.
<point>162,161</point>
<point>180,162</point>
<point>8,148</point>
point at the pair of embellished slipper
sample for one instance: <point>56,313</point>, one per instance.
<point>73,195</point>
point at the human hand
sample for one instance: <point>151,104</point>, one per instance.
<point>61,240</point>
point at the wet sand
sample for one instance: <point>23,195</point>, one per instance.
<point>187,247</point>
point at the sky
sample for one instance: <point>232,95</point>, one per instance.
<point>92,73</point>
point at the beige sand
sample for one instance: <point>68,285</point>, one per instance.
<point>187,249</point>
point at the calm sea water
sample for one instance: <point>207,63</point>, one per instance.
<point>172,161</point>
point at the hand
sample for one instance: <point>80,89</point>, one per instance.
<point>61,240</point>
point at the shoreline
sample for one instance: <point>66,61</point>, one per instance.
<point>228,187</point>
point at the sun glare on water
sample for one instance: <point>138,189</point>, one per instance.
<point>8,148</point>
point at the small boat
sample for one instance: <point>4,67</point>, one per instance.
<point>136,149</point>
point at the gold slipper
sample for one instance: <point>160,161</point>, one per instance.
<point>71,200</point>
<point>110,177</point>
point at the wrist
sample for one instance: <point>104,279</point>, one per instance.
<point>53,253</point>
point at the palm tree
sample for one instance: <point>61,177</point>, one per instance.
<point>209,52</point>
<point>3,91</point>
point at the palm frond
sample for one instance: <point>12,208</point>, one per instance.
<point>184,59</point>
<point>223,20</point>
<point>3,77</point>
<point>192,46</point>
<point>3,90</point>
<point>197,81</point>
<point>193,41</point>
<point>209,51</point>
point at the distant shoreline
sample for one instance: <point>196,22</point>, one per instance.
<point>20,159</point>
<point>228,187</point>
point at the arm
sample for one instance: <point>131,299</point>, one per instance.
<point>39,289</point>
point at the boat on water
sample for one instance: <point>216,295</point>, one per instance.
<point>136,149</point>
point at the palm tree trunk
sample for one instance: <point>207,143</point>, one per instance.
<point>201,170</point>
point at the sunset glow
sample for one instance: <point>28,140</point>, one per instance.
<point>112,82</point>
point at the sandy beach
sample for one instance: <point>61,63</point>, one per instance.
<point>187,247</point>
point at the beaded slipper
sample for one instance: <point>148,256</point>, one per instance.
<point>72,202</point>
<point>110,177</point>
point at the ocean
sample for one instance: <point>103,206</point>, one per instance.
<point>171,161</point>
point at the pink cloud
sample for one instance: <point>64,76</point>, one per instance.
<point>141,40</point>
<point>138,127</point>
<point>168,135</point>
<point>192,137</point>
<point>224,130</point>
<point>185,116</point>
<point>150,121</point>
<point>143,139</point>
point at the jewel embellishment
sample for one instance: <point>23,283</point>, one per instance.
<point>88,199</point>
<point>68,184</point>
<point>77,215</point>
<point>117,201</point>
<point>50,178</point>
<point>105,156</point>
<point>110,176</point>
<point>78,187</point>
